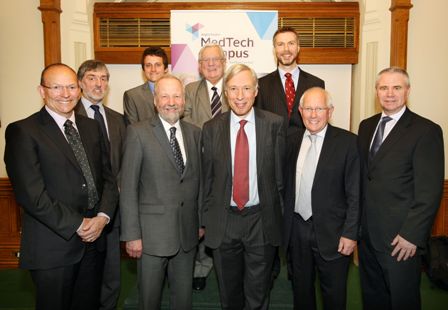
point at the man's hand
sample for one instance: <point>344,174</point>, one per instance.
<point>404,248</point>
<point>346,246</point>
<point>201,232</point>
<point>91,228</point>
<point>134,248</point>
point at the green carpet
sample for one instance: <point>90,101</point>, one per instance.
<point>17,292</point>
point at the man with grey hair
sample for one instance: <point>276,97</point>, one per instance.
<point>321,216</point>
<point>402,159</point>
<point>243,153</point>
<point>205,99</point>
<point>160,198</point>
<point>93,78</point>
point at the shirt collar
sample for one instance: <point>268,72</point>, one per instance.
<point>87,103</point>
<point>167,125</point>
<point>59,119</point>
<point>250,117</point>
<point>320,133</point>
<point>294,73</point>
<point>217,85</point>
<point>397,115</point>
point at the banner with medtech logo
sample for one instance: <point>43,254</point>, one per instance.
<point>245,36</point>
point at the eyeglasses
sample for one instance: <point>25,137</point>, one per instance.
<point>61,88</point>
<point>310,110</point>
<point>234,91</point>
<point>212,60</point>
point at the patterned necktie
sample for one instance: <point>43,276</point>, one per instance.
<point>176,150</point>
<point>216,104</point>
<point>241,168</point>
<point>306,180</point>
<point>74,140</point>
<point>290,93</point>
<point>100,119</point>
<point>378,139</point>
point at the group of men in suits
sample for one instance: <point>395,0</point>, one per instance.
<point>252,181</point>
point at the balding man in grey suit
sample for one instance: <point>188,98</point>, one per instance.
<point>159,201</point>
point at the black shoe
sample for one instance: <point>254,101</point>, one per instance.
<point>199,283</point>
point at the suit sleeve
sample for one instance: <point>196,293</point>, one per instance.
<point>189,101</point>
<point>24,170</point>
<point>130,109</point>
<point>207,172</point>
<point>428,168</point>
<point>352,175</point>
<point>130,177</point>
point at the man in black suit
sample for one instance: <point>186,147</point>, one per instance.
<point>272,95</point>
<point>402,160</point>
<point>321,215</point>
<point>242,163</point>
<point>61,177</point>
<point>93,78</point>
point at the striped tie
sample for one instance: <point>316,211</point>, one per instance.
<point>216,102</point>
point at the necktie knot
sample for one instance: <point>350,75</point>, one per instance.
<point>385,119</point>
<point>312,138</point>
<point>95,107</point>
<point>242,123</point>
<point>288,75</point>
<point>68,123</point>
<point>214,88</point>
<point>173,131</point>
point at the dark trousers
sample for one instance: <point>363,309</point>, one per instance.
<point>110,287</point>
<point>151,276</point>
<point>71,287</point>
<point>387,284</point>
<point>243,262</point>
<point>305,260</point>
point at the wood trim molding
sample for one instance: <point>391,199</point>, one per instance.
<point>399,32</point>
<point>51,11</point>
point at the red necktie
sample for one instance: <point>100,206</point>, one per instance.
<point>290,92</point>
<point>241,168</point>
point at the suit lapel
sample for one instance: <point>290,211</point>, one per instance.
<point>261,129</point>
<point>204,100</point>
<point>396,133</point>
<point>51,129</point>
<point>328,149</point>
<point>159,132</point>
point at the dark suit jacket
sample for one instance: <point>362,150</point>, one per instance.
<point>49,185</point>
<point>217,171</point>
<point>157,204</point>
<point>403,184</point>
<point>117,134</point>
<point>197,103</point>
<point>271,95</point>
<point>138,104</point>
<point>335,192</point>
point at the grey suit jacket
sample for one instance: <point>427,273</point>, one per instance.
<point>138,104</point>
<point>157,203</point>
<point>117,134</point>
<point>217,171</point>
<point>197,103</point>
<point>402,185</point>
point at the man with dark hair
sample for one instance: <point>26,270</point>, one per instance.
<point>402,160</point>
<point>279,91</point>
<point>138,102</point>
<point>60,172</point>
<point>93,78</point>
